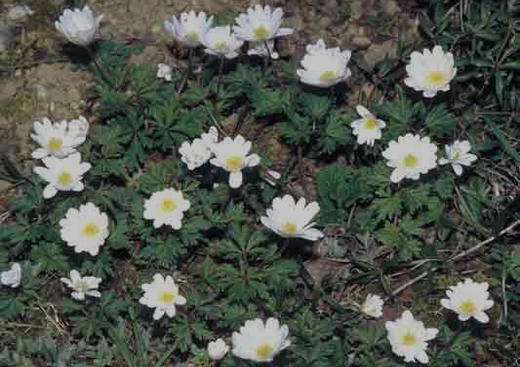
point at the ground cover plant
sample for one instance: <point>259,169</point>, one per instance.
<point>161,228</point>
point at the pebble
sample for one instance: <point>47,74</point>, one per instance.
<point>19,12</point>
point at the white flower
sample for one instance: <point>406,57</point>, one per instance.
<point>191,28</point>
<point>458,155</point>
<point>85,229</point>
<point>54,139</point>
<point>410,157</point>
<point>80,27</point>
<point>12,277</point>
<point>258,48</point>
<point>82,286</point>
<point>259,342</point>
<point>260,24</point>
<point>431,71</point>
<point>79,128</point>
<point>62,174</point>
<point>272,176</point>
<point>162,294</point>
<point>210,138</point>
<point>164,72</point>
<point>221,42</point>
<point>368,127</point>
<point>373,306</point>
<point>217,349</point>
<point>195,154</point>
<point>232,155</point>
<point>289,219</point>
<point>469,299</point>
<point>408,337</point>
<point>166,207</point>
<point>324,67</point>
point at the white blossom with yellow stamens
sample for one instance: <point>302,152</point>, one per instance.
<point>79,26</point>
<point>458,155</point>
<point>217,349</point>
<point>469,299</point>
<point>373,306</point>
<point>409,337</point>
<point>220,41</point>
<point>190,29</point>
<point>233,156</point>
<point>82,286</point>
<point>368,127</point>
<point>410,156</point>
<point>430,71</point>
<point>291,219</point>
<point>163,295</point>
<point>260,24</point>
<point>166,207</point>
<point>62,174</point>
<point>260,342</point>
<point>85,229</point>
<point>54,139</point>
<point>12,277</point>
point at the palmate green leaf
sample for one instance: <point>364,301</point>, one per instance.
<point>243,287</point>
<point>49,256</point>
<point>336,134</point>
<point>399,115</point>
<point>297,129</point>
<point>440,121</point>
<point>162,251</point>
<point>394,237</point>
<point>159,175</point>
<point>268,102</point>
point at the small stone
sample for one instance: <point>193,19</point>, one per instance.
<point>361,42</point>
<point>19,13</point>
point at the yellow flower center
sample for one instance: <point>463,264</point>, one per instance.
<point>264,351</point>
<point>467,308</point>
<point>82,286</point>
<point>409,339</point>
<point>193,37</point>
<point>410,161</point>
<point>54,145</point>
<point>369,123</point>
<point>168,205</point>
<point>64,178</point>
<point>234,163</point>
<point>436,78</point>
<point>221,46</point>
<point>327,76</point>
<point>289,227</point>
<point>90,230</point>
<point>167,297</point>
<point>260,33</point>
<point>456,156</point>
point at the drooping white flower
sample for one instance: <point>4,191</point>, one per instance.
<point>368,127</point>
<point>373,306</point>
<point>210,138</point>
<point>430,71</point>
<point>260,24</point>
<point>409,337</point>
<point>469,299</point>
<point>217,349</point>
<point>324,67</point>
<point>79,127</point>
<point>191,28</point>
<point>166,207</point>
<point>259,342</point>
<point>163,295</point>
<point>82,286</point>
<point>221,41</point>
<point>232,155</point>
<point>291,219</point>
<point>164,72</point>
<point>458,155</point>
<point>54,139</point>
<point>195,154</point>
<point>410,156</point>
<point>12,277</point>
<point>85,229</point>
<point>62,174</point>
<point>258,48</point>
<point>80,27</point>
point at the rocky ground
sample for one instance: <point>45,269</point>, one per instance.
<point>37,81</point>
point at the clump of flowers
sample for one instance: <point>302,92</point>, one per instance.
<point>12,277</point>
<point>410,156</point>
<point>291,219</point>
<point>62,174</point>
<point>324,67</point>
<point>469,299</point>
<point>368,127</point>
<point>190,29</point>
<point>260,342</point>
<point>163,295</point>
<point>458,155</point>
<point>261,24</point>
<point>166,207</point>
<point>233,156</point>
<point>79,26</point>
<point>373,306</point>
<point>217,349</point>
<point>85,229</point>
<point>430,71</point>
<point>82,286</point>
<point>58,139</point>
<point>409,337</point>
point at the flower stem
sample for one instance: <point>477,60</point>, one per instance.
<point>268,59</point>
<point>93,58</point>
<point>220,72</point>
